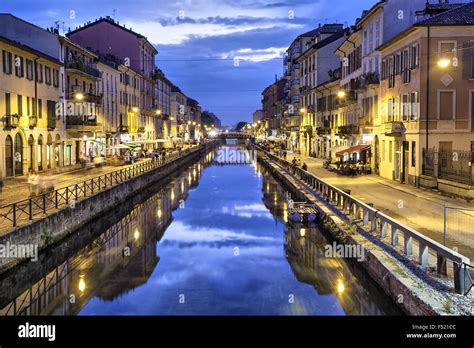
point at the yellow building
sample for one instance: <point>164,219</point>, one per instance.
<point>82,102</point>
<point>32,137</point>
<point>426,134</point>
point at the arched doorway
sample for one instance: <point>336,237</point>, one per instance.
<point>40,153</point>
<point>9,156</point>
<point>18,154</point>
<point>31,152</point>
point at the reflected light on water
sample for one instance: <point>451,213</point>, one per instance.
<point>82,284</point>
<point>340,287</point>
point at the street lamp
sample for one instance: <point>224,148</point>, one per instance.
<point>135,109</point>
<point>189,122</point>
<point>341,94</point>
<point>302,110</point>
<point>444,63</point>
<point>158,112</point>
<point>79,96</point>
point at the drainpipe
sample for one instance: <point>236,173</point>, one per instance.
<point>427,90</point>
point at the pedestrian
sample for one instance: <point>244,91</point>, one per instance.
<point>304,166</point>
<point>284,155</point>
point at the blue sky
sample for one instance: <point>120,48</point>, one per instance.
<point>198,40</point>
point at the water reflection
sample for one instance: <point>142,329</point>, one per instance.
<point>225,251</point>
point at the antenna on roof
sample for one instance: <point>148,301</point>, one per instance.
<point>113,14</point>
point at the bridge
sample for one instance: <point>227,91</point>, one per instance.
<point>233,135</point>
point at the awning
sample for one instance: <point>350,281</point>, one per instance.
<point>353,149</point>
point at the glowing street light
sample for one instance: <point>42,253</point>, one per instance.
<point>158,112</point>
<point>189,122</point>
<point>194,123</point>
<point>444,63</point>
<point>341,94</point>
<point>79,96</point>
<point>302,110</point>
<point>135,109</point>
<point>136,234</point>
<point>340,286</point>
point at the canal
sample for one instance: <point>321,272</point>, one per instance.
<point>211,241</point>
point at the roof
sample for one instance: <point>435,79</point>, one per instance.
<point>111,21</point>
<point>461,15</point>
<point>29,49</point>
<point>367,13</point>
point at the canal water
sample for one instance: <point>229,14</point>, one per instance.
<point>211,241</point>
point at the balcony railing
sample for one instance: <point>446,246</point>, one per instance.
<point>82,123</point>
<point>86,97</point>
<point>295,98</point>
<point>11,121</point>
<point>365,122</point>
<point>393,128</point>
<point>350,98</point>
<point>349,129</point>
<point>324,128</point>
<point>123,129</point>
<point>83,67</point>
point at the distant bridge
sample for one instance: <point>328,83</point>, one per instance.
<point>233,135</point>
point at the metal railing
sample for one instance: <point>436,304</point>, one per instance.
<point>384,227</point>
<point>38,206</point>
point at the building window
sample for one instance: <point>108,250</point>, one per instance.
<point>19,68</point>
<point>7,104</point>
<point>39,73</point>
<point>55,78</point>
<point>7,62</point>
<point>47,75</point>
<point>28,106</point>
<point>20,105</point>
<point>446,105</point>
<point>40,108</point>
<point>29,69</point>
<point>413,153</point>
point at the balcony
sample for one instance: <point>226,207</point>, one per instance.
<point>78,96</point>
<point>368,80</point>
<point>295,52</point>
<point>324,128</point>
<point>393,128</point>
<point>123,129</point>
<point>83,123</point>
<point>350,129</point>
<point>365,122</point>
<point>350,98</point>
<point>304,89</point>
<point>11,121</point>
<point>295,98</point>
<point>83,68</point>
<point>295,82</point>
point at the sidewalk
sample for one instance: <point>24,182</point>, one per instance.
<point>17,189</point>
<point>418,208</point>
